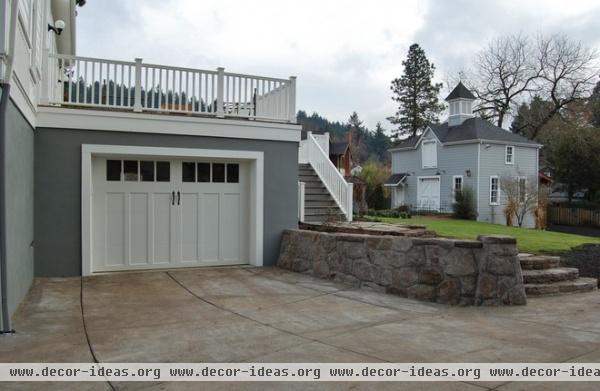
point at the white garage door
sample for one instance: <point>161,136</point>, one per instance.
<point>162,213</point>
<point>428,193</point>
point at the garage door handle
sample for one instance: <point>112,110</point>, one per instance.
<point>178,198</point>
<point>173,199</point>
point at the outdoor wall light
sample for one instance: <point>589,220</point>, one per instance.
<point>58,27</point>
<point>468,172</point>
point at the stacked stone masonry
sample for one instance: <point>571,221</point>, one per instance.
<point>485,271</point>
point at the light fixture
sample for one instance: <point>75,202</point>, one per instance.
<point>58,27</point>
<point>468,172</point>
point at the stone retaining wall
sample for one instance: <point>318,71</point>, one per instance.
<point>485,271</point>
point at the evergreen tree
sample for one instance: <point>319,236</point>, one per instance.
<point>379,143</point>
<point>416,95</point>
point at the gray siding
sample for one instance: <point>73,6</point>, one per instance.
<point>493,163</point>
<point>19,205</point>
<point>451,160</point>
<point>58,184</point>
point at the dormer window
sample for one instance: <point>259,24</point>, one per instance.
<point>509,157</point>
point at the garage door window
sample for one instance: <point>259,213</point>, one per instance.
<point>113,170</point>
<point>233,173</point>
<point>203,172</point>
<point>147,171</point>
<point>188,173</point>
<point>163,171</point>
<point>130,167</point>
<point>218,172</point>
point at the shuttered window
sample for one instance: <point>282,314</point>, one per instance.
<point>429,154</point>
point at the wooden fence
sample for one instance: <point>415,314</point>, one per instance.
<point>573,216</point>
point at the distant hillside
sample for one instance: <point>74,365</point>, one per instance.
<point>316,123</point>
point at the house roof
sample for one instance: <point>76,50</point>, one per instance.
<point>395,179</point>
<point>338,148</point>
<point>472,129</point>
<point>460,92</point>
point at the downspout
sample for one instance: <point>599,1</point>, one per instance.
<point>5,85</point>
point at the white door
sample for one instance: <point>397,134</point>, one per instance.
<point>428,193</point>
<point>163,213</point>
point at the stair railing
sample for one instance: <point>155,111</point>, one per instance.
<point>340,190</point>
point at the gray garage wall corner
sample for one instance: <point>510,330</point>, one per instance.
<point>19,195</point>
<point>58,189</point>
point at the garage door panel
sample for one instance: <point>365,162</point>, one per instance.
<point>190,232</point>
<point>115,229</point>
<point>230,227</point>
<point>138,228</point>
<point>209,216</point>
<point>162,228</point>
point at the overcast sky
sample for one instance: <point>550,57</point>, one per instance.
<point>344,53</point>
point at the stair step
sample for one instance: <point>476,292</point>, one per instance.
<point>320,204</point>
<point>536,262</point>
<point>323,218</point>
<point>582,284</point>
<point>544,276</point>
<point>321,211</point>
<point>306,178</point>
<point>307,172</point>
<point>315,191</point>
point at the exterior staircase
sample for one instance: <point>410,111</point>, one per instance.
<point>543,276</point>
<point>319,206</point>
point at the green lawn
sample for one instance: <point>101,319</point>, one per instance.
<point>528,240</point>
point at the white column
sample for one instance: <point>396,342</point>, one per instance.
<point>220,91</point>
<point>350,201</point>
<point>137,106</point>
<point>292,100</point>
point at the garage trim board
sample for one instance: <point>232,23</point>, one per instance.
<point>253,161</point>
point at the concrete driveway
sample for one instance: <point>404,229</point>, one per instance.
<point>243,314</point>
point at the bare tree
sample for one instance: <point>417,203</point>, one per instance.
<point>521,195</point>
<point>568,73</point>
<point>512,69</point>
<point>504,71</point>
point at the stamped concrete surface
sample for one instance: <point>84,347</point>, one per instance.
<point>245,314</point>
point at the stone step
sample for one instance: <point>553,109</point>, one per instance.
<point>582,284</point>
<point>536,262</point>
<point>544,276</point>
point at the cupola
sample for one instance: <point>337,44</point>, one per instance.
<point>460,103</point>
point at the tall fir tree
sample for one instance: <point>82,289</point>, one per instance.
<point>416,94</point>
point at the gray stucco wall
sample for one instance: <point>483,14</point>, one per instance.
<point>452,160</point>
<point>19,184</point>
<point>58,185</point>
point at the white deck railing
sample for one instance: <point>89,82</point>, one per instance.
<point>340,190</point>
<point>93,82</point>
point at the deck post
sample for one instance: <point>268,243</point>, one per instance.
<point>137,105</point>
<point>292,100</point>
<point>220,91</point>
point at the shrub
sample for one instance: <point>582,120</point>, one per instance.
<point>464,204</point>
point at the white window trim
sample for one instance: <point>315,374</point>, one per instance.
<point>462,184</point>
<point>255,158</point>
<point>497,190</point>
<point>423,151</point>
<point>512,154</point>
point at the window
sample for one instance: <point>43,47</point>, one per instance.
<point>203,172</point>
<point>522,189</point>
<point>429,154</point>
<point>147,171</point>
<point>188,172</point>
<point>218,172</point>
<point>163,171</point>
<point>130,168</point>
<point>457,184</point>
<point>510,154</point>
<point>493,190</point>
<point>113,170</point>
<point>233,173</point>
